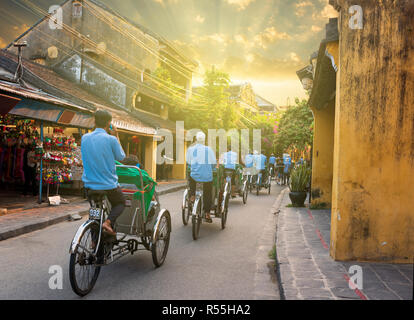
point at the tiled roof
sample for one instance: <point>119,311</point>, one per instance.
<point>49,81</point>
<point>262,102</point>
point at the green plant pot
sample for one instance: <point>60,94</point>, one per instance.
<point>298,198</point>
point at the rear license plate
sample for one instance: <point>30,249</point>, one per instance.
<point>94,213</point>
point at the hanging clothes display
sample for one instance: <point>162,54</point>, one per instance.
<point>15,137</point>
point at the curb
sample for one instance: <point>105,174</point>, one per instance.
<point>37,226</point>
<point>172,189</point>
<point>266,279</point>
<point>43,224</point>
<point>277,264</point>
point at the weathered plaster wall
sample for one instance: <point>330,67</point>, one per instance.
<point>322,158</point>
<point>373,193</point>
<point>114,45</point>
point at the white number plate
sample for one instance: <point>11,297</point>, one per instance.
<point>94,213</point>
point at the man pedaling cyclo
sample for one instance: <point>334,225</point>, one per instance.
<point>202,161</point>
<point>100,149</point>
<point>229,159</point>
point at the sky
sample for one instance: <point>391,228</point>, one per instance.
<point>263,42</point>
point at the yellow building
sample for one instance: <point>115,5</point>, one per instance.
<point>363,155</point>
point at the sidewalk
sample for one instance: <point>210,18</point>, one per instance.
<point>307,271</point>
<point>38,217</point>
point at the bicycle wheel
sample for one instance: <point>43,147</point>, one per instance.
<point>161,240</point>
<point>245,192</point>
<point>270,185</point>
<point>83,271</point>
<point>185,210</point>
<point>225,211</point>
<point>196,220</point>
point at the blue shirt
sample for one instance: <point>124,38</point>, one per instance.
<point>260,161</point>
<point>202,160</point>
<point>99,152</point>
<point>272,160</point>
<point>248,161</point>
<point>229,159</point>
<point>287,162</point>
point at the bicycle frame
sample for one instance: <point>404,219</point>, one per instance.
<point>259,179</point>
<point>83,227</point>
<point>198,198</point>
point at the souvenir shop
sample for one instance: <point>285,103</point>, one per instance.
<point>56,162</point>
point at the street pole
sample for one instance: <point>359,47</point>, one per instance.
<point>41,164</point>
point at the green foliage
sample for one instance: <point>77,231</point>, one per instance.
<point>268,123</point>
<point>295,129</point>
<point>272,253</point>
<point>300,178</point>
<point>209,108</point>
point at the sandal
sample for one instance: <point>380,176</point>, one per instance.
<point>106,226</point>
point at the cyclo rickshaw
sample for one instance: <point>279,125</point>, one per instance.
<point>263,180</point>
<point>143,225</point>
<point>241,181</point>
<point>219,208</point>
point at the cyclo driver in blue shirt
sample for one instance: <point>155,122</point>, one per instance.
<point>229,159</point>
<point>272,163</point>
<point>202,161</point>
<point>260,164</point>
<point>100,149</point>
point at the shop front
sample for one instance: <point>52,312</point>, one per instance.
<point>39,144</point>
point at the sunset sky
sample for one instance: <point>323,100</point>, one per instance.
<point>263,42</point>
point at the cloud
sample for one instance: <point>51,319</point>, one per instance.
<point>199,19</point>
<point>215,38</point>
<point>316,28</point>
<point>163,2</point>
<point>240,4</point>
<point>269,36</point>
<point>327,12</point>
<point>257,66</point>
<point>294,57</point>
<point>302,7</point>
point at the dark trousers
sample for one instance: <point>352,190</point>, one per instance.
<point>30,180</point>
<point>117,200</point>
<point>207,189</point>
<point>286,178</point>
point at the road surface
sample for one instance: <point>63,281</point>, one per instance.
<point>219,265</point>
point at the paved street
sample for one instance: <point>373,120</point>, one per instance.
<point>222,264</point>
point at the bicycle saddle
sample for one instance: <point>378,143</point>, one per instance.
<point>96,194</point>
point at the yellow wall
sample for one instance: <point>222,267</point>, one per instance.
<point>179,170</point>
<point>150,157</point>
<point>322,155</point>
<point>373,193</point>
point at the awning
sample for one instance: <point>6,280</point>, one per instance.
<point>7,103</point>
<point>33,104</point>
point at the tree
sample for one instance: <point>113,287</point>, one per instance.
<point>268,123</point>
<point>209,107</point>
<point>295,128</point>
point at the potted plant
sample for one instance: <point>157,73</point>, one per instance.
<point>299,181</point>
